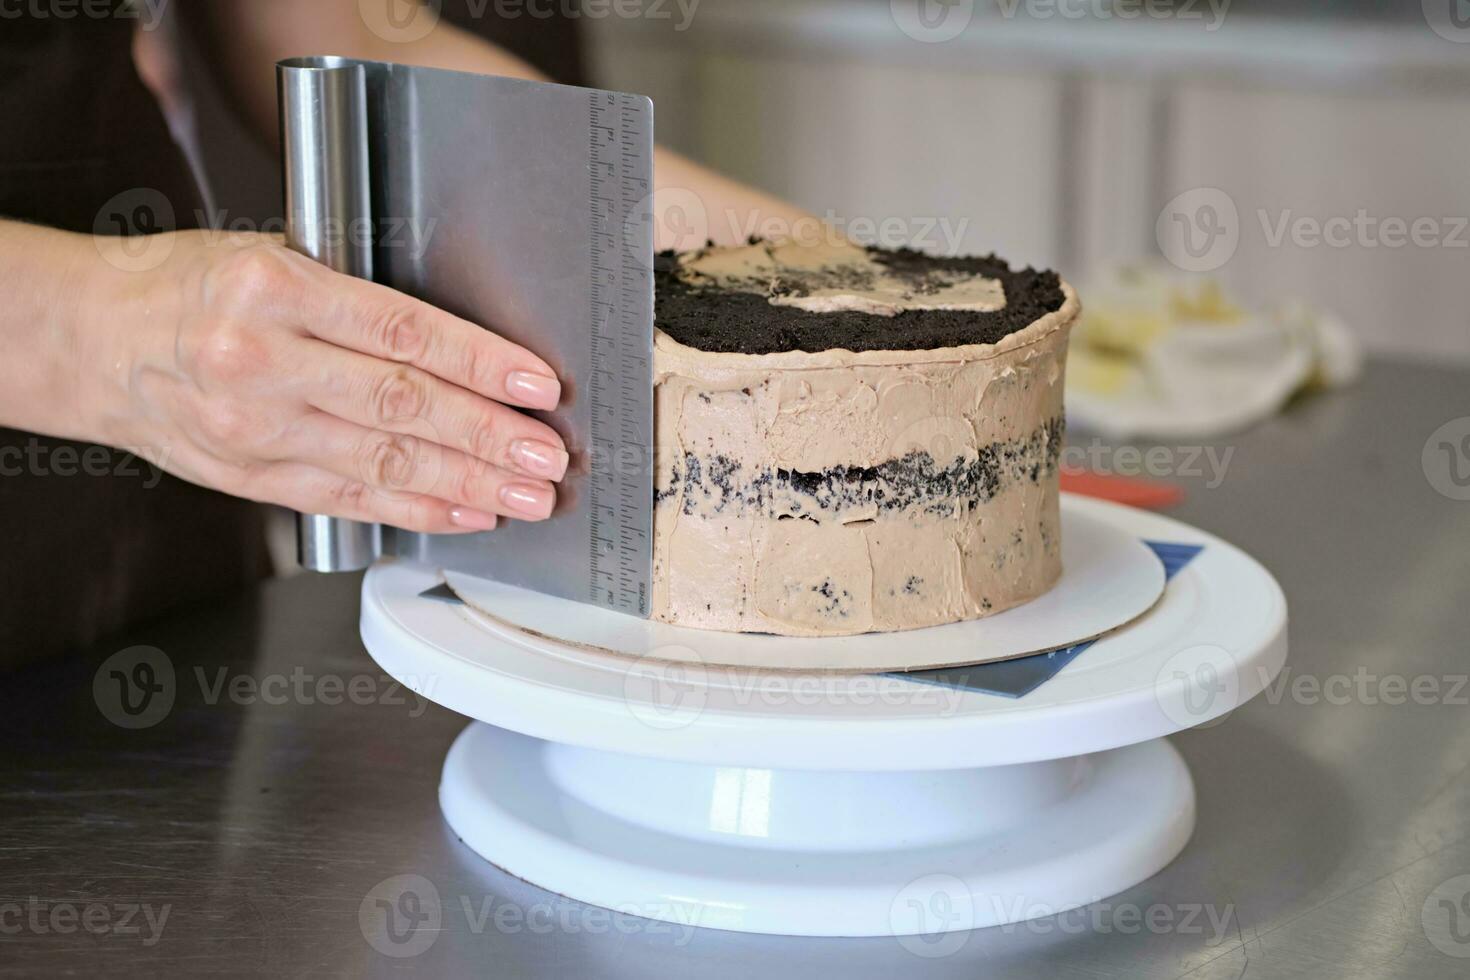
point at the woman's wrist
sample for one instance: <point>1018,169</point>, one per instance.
<point>124,294</point>
<point>128,321</point>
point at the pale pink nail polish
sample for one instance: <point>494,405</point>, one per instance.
<point>527,500</point>
<point>533,390</point>
<point>474,520</point>
<point>539,458</point>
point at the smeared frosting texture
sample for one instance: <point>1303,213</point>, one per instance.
<point>840,491</point>
<point>828,278</point>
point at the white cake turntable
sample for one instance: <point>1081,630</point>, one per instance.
<point>664,782</point>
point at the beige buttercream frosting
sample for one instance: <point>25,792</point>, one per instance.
<point>843,492</point>
<point>838,276</point>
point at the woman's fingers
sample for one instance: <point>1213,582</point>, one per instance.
<point>312,490</point>
<point>400,464</point>
<point>404,399</point>
<point>386,324</point>
<point>281,380</point>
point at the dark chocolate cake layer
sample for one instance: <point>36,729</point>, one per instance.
<point>719,319</point>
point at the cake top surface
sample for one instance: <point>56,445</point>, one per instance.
<point>770,297</point>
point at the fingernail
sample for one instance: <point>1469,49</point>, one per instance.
<point>539,458</point>
<point>474,520</point>
<point>529,501</point>
<point>533,390</point>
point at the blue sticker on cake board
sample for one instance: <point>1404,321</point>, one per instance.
<point>1019,677</point>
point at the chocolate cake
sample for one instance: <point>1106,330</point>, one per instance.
<point>853,439</point>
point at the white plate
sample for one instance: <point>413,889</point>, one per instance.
<point>1109,578</point>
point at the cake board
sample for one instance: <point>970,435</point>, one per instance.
<point>1109,578</point>
<point>834,804</point>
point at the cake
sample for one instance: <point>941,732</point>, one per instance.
<point>853,439</point>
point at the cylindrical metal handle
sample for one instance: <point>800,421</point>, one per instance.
<point>324,149</point>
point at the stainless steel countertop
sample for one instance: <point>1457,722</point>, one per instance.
<point>258,814</point>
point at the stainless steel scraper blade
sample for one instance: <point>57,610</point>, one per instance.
<point>524,207</point>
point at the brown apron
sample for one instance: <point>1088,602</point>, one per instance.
<point>93,539</point>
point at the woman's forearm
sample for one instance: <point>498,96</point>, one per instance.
<point>50,284</point>
<point>693,204</point>
<point>247,39</point>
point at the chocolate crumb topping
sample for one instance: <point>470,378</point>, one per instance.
<point>725,320</point>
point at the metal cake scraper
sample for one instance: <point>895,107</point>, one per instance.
<point>524,207</point>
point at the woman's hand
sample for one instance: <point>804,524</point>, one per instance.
<point>243,366</point>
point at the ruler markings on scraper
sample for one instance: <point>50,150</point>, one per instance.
<point>620,489</point>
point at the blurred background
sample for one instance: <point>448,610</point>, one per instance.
<point>1313,150</point>
<point>1060,130</point>
<point>1296,170</point>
